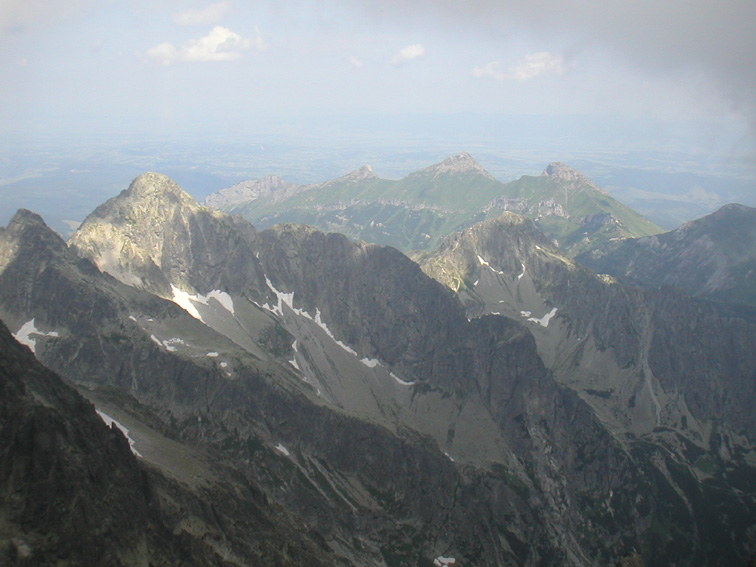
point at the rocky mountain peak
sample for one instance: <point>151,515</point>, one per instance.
<point>568,177</point>
<point>156,186</point>
<point>27,234</point>
<point>733,210</point>
<point>23,222</point>
<point>24,218</point>
<point>28,226</point>
<point>461,163</point>
<point>129,233</point>
<point>364,172</point>
<point>501,244</point>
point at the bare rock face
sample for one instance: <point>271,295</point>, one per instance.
<point>155,236</point>
<point>506,265</point>
<point>72,492</point>
<point>669,371</point>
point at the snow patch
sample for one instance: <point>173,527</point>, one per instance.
<point>526,313</point>
<point>543,321</point>
<point>448,456</point>
<point>23,335</point>
<point>400,381</point>
<point>132,318</point>
<point>186,301</point>
<point>442,561</point>
<point>370,362</point>
<point>109,421</point>
<point>519,277</point>
<point>295,364</point>
<point>224,299</point>
<point>283,450</point>
<point>319,322</point>
<point>168,344</point>
<point>489,266</point>
<point>287,298</point>
<point>212,354</point>
<point>223,364</point>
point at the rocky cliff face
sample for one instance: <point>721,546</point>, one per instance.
<point>354,390</point>
<point>713,257</point>
<point>154,236</point>
<point>670,372</point>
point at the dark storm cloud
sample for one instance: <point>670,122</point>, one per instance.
<point>713,41</point>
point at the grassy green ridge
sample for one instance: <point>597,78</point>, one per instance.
<point>419,210</point>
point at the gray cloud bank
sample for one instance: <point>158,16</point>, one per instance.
<point>711,41</point>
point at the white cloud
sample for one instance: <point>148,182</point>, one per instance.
<point>260,44</point>
<point>206,17</point>
<point>221,44</point>
<point>408,53</point>
<point>354,61</point>
<point>534,65</point>
<point>22,62</point>
<point>490,70</point>
<point>541,63</point>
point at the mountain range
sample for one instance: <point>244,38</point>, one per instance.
<point>419,210</point>
<point>299,397</point>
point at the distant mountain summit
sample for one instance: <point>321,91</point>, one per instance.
<point>461,163</point>
<point>360,174</point>
<point>569,177</point>
<point>713,257</point>
<point>419,210</point>
<point>246,191</point>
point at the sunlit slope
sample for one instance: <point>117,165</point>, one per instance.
<point>571,210</point>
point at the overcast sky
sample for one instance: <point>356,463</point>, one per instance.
<point>80,65</point>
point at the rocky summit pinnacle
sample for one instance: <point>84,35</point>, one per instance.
<point>364,172</point>
<point>568,177</point>
<point>128,233</point>
<point>456,164</point>
<point>151,185</point>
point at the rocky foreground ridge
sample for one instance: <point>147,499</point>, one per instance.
<point>712,258</point>
<point>397,422</point>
